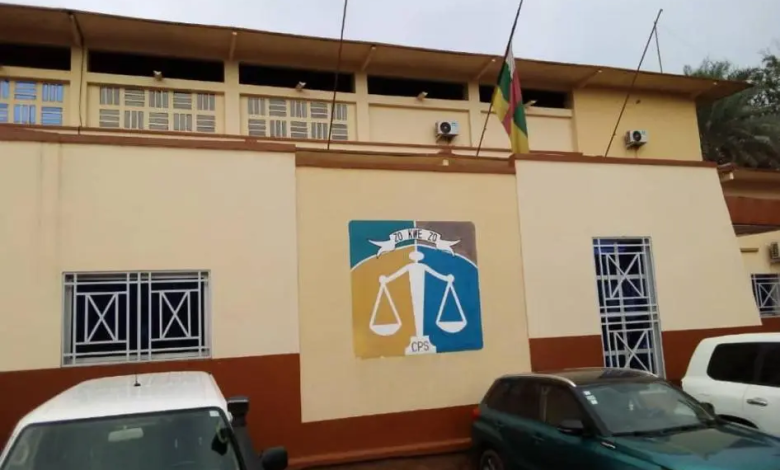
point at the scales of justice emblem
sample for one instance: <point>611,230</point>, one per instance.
<point>421,260</point>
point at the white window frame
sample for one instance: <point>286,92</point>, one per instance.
<point>135,316</point>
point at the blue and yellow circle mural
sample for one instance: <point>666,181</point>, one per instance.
<point>415,287</point>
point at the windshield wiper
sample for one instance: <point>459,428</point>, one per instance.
<point>687,427</point>
<point>666,431</point>
<point>652,432</point>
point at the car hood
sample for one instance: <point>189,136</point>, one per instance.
<point>728,446</point>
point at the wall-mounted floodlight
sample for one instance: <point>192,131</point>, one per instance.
<point>158,75</point>
<point>300,86</point>
<point>422,95</point>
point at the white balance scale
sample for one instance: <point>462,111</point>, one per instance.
<point>419,343</point>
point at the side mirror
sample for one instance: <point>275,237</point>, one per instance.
<point>708,406</point>
<point>274,458</point>
<point>573,427</point>
<point>238,407</point>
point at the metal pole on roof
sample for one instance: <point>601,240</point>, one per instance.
<point>83,45</point>
<point>633,81</point>
<point>658,49</point>
<point>506,53</point>
<point>338,69</point>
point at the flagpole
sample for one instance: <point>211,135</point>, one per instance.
<point>336,77</point>
<point>506,53</point>
<point>633,81</point>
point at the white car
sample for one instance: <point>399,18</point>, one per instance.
<point>739,375</point>
<point>145,422</point>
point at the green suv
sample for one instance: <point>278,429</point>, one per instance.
<point>609,419</point>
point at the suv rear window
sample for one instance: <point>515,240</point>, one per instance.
<point>496,397</point>
<point>734,362</point>
<point>518,397</point>
<point>524,399</point>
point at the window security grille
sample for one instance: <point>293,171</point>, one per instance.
<point>766,290</point>
<point>135,316</point>
<point>630,325</point>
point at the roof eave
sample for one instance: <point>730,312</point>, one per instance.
<point>54,25</point>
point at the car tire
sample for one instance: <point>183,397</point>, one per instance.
<point>490,460</point>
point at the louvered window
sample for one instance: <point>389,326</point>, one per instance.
<point>295,119</point>
<point>31,103</point>
<point>158,110</point>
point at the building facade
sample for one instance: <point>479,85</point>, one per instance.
<point>753,199</point>
<point>191,197</point>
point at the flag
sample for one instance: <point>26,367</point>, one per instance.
<point>508,103</point>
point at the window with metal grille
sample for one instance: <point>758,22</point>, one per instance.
<point>135,316</point>
<point>630,324</point>
<point>766,290</point>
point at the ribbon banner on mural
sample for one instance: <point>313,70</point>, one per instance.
<point>417,234</point>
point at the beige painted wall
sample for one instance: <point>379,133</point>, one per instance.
<point>548,129</point>
<point>415,125</point>
<point>334,383</point>
<point>758,262</point>
<point>700,278</point>
<point>670,121</point>
<point>98,208</point>
<point>29,284</point>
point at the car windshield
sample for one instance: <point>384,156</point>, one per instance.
<point>644,408</point>
<point>182,440</point>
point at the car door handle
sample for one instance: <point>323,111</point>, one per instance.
<point>757,402</point>
<point>537,438</point>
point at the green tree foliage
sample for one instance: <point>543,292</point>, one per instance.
<point>743,129</point>
<point>768,78</point>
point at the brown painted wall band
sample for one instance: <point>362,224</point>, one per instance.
<point>273,385</point>
<point>289,140</point>
<point>753,211</point>
<point>678,346</point>
<point>571,158</point>
<point>20,134</point>
<point>446,163</point>
<point>26,135</point>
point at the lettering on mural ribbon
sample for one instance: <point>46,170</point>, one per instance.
<point>386,246</point>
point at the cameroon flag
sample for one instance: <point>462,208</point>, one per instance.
<point>508,103</point>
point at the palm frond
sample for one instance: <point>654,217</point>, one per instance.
<point>742,128</point>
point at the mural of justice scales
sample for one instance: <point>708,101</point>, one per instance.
<point>438,299</point>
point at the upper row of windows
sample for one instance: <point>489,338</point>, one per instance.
<point>58,58</point>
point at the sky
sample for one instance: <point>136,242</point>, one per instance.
<point>602,32</point>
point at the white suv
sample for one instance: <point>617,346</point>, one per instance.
<point>739,375</point>
<point>147,422</point>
